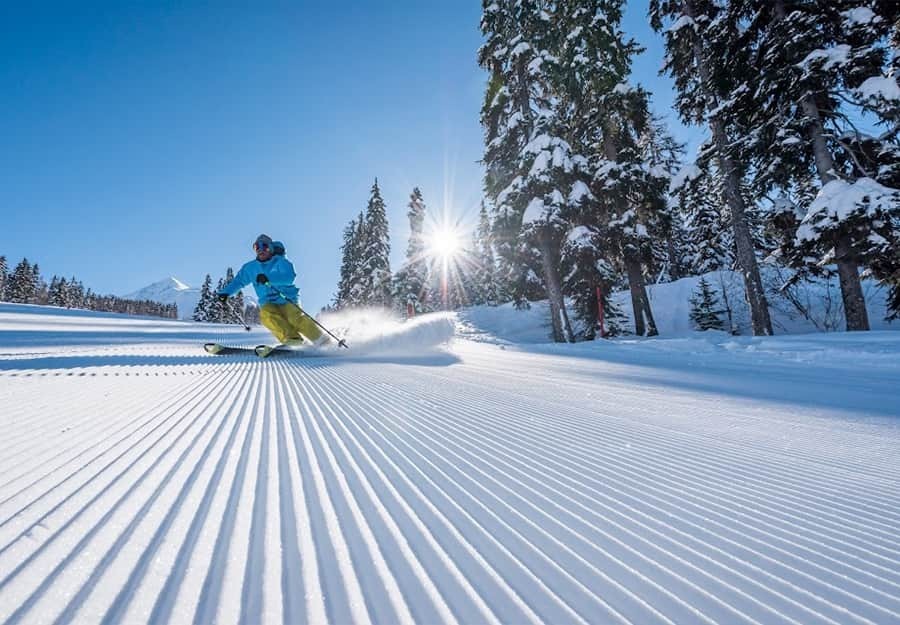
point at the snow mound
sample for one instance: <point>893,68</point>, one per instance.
<point>371,331</point>
<point>505,324</point>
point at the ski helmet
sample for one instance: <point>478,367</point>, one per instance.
<point>262,242</point>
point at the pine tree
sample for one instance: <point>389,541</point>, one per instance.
<point>359,278</point>
<point>662,157</point>
<point>56,293</point>
<point>705,308</point>
<point>614,128</point>
<point>234,307</point>
<point>348,266</point>
<point>4,278</point>
<point>707,57</point>
<point>529,164</point>
<point>75,295</point>
<point>22,287</point>
<point>375,257</point>
<point>411,280</point>
<point>589,273</point>
<point>219,312</point>
<point>709,244</point>
<point>204,304</point>
<point>39,295</point>
<point>485,289</point>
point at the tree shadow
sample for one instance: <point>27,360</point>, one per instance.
<point>84,361</point>
<point>810,385</point>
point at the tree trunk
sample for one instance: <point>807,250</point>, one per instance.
<point>851,288</point>
<point>674,261</point>
<point>639,301</point>
<point>562,329</point>
<point>746,256</point>
<point>848,269</point>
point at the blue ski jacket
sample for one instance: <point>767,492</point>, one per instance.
<point>280,273</point>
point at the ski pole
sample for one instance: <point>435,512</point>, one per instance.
<point>243,321</point>
<point>240,315</point>
<point>340,342</point>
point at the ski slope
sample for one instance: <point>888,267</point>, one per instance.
<point>699,479</point>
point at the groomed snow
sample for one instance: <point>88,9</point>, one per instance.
<point>691,479</point>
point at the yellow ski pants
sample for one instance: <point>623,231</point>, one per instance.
<point>287,322</point>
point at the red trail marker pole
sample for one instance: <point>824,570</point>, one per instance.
<point>600,312</point>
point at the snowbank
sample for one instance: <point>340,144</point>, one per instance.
<point>810,306</point>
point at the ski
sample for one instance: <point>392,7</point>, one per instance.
<point>263,351</point>
<point>290,351</point>
<point>223,350</point>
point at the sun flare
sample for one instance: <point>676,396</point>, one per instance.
<point>445,243</point>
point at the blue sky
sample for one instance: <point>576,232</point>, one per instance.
<point>145,141</point>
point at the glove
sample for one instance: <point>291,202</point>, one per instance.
<point>262,279</point>
<point>222,297</point>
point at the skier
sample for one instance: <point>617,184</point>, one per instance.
<point>272,275</point>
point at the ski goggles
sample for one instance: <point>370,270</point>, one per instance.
<point>259,246</point>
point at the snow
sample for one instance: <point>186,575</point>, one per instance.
<point>838,200</point>
<point>880,87</point>
<point>520,48</point>
<point>535,211</point>
<point>682,22</point>
<point>580,235</point>
<point>860,16</point>
<point>838,55</point>
<point>579,192</point>
<point>489,478</point>
<point>684,176</point>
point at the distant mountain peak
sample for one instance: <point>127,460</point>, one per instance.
<point>169,290</point>
<point>165,284</point>
<point>179,285</point>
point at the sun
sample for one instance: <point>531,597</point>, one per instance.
<point>444,243</point>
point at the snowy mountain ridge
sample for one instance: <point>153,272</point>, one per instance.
<point>163,288</point>
<point>170,290</point>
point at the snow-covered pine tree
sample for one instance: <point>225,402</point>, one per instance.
<point>74,294</point>
<point>705,308</point>
<point>40,286</point>
<point>588,271</point>
<point>56,292</point>
<point>21,287</point>
<point>528,163</point>
<point>219,312</point>
<point>710,63</point>
<point>611,124</point>
<point>662,156</point>
<point>348,265</point>
<point>411,280</point>
<point>486,288</point>
<point>4,278</point>
<point>251,314</point>
<point>631,195</point>
<point>359,279</point>
<point>709,244</point>
<point>375,256</point>
<point>234,308</point>
<point>204,304</point>
<point>817,65</point>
